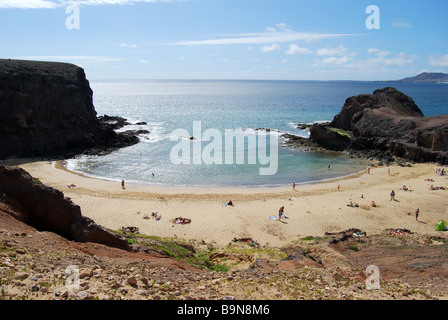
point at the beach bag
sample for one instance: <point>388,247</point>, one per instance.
<point>441,226</point>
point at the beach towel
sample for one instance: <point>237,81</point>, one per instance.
<point>276,217</point>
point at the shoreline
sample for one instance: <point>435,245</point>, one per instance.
<point>218,188</point>
<point>312,209</point>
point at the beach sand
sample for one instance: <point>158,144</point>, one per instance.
<point>311,210</point>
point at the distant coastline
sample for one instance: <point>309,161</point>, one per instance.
<point>426,77</point>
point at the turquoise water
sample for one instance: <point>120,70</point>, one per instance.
<point>167,106</point>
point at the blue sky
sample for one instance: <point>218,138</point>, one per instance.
<point>230,39</point>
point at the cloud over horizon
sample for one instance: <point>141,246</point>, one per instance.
<point>52,4</point>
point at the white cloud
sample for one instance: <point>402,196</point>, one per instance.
<point>264,38</point>
<point>402,24</point>
<point>334,60</point>
<point>272,48</point>
<point>127,45</point>
<point>107,2</point>
<point>334,56</point>
<point>400,59</point>
<point>437,61</point>
<point>282,27</point>
<point>144,61</point>
<point>27,4</point>
<point>378,52</point>
<point>51,4</point>
<point>330,51</point>
<point>295,49</point>
<point>385,58</point>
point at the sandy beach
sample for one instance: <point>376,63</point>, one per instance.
<point>311,210</point>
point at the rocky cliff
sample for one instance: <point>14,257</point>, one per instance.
<point>46,110</point>
<point>47,209</point>
<point>384,124</point>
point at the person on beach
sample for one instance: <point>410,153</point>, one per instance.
<point>416,214</point>
<point>392,195</point>
<point>293,186</point>
<point>281,212</point>
<point>373,204</point>
<point>122,184</point>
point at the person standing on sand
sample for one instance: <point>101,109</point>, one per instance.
<point>416,214</point>
<point>280,213</point>
<point>392,195</point>
<point>122,184</point>
<point>293,186</point>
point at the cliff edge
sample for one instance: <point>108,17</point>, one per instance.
<point>47,209</point>
<point>46,110</point>
<point>382,125</point>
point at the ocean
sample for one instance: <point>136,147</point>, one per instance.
<point>220,107</point>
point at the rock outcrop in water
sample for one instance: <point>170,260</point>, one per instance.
<point>382,125</point>
<point>46,110</point>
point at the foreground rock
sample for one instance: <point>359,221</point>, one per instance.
<point>384,125</point>
<point>46,110</point>
<point>47,209</point>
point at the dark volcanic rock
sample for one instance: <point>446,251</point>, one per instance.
<point>328,139</point>
<point>46,209</point>
<point>386,123</point>
<point>46,110</point>
<point>389,98</point>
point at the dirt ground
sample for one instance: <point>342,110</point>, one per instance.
<point>411,267</point>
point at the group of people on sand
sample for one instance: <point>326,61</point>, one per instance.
<point>353,205</point>
<point>154,215</point>
<point>404,188</point>
<point>157,217</point>
<point>392,197</point>
<point>437,188</point>
<point>180,220</point>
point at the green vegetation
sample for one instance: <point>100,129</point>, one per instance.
<point>340,131</point>
<point>199,255</point>
<point>312,240</point>
<point>173,248</point>
<point>436,240</point>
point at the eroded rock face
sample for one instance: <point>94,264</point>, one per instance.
<point>328,139</point>
<point>46,209</point>
<point>387,122</point>
<point>389,98</point>
<point>46,109</point>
